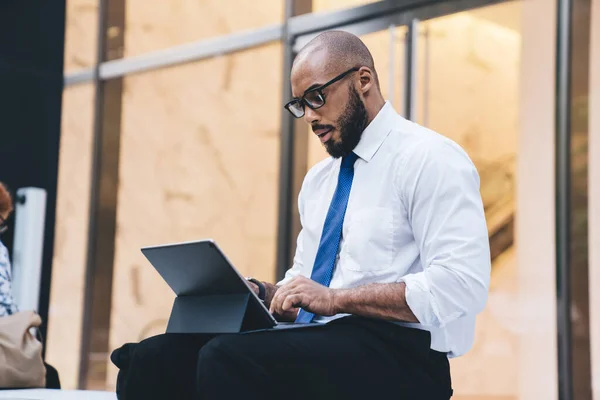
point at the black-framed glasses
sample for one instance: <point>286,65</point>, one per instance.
<point>3,226</point>
<point>314,97</point>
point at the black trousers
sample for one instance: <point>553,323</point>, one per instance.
<point>350,358</point>
<point>52,379</point>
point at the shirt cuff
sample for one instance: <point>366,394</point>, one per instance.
<point>419,299</point>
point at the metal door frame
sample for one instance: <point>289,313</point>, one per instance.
<point>373,17</point>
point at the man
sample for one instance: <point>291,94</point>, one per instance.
<point>392,263</point>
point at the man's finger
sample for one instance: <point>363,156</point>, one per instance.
<point>297,285</point>
<point>284,296</point>
<point>291,302</point>
<point>278,300</point>
<point>286,290</point>
<point>275,300</point>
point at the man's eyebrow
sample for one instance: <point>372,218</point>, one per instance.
<point>311,87</point>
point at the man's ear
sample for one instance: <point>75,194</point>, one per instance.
<point>367,79</point>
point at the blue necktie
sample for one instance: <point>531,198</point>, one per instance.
<point>322,271</point>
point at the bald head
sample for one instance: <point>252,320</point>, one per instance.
<point>336,51</point>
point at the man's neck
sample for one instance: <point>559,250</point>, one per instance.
<point>373,108</point>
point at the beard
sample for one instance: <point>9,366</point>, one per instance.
<point>351,124</point>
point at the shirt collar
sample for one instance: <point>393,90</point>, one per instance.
<point>376,132</point>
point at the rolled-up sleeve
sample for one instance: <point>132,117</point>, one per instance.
<point>440,191</point>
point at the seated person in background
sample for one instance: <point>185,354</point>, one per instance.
<point>7,303</point>
<point>392,264</point>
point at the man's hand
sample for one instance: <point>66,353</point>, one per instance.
<point>254,287</point>
<point>302,292</point>
<point>270,290</point>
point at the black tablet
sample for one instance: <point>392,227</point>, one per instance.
<point>210,290</point>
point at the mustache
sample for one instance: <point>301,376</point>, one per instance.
<point>316,126</point>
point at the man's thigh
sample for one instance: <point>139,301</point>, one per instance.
<point>351,358</point>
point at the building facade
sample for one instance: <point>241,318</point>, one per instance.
<point>173,130</point>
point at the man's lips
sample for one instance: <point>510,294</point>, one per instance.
<point>322,131</point>
<point>324,135</point>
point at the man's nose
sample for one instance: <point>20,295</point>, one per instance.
<point>310,116</point>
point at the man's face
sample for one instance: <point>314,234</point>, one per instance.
<point>340,122</point>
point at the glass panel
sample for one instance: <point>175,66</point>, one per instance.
<point>68,268</point>
<point>389,63</point>
<point>169,23</point>
<point>81,34</point>
<point>335,5</point>
<point>199,159</point>
<point>578,264</point>
<point>594,195</point>
<point>468,88</point>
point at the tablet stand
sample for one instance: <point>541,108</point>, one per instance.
<point>228,313</point>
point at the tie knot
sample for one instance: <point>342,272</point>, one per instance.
<point>349,160</point>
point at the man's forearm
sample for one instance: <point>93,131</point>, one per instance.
<point>378,300</point>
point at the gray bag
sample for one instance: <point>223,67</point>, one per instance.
<point>21,363</point>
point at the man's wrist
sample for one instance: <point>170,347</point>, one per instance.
<point>261,288</point>
<point>338,300</point>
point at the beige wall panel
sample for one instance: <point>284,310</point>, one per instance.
<point>535,228</point>
<point>68,268</point>
<point>175,22</point>
<point>594,196</point>
<point>81,32</point>
<point>199,159</point>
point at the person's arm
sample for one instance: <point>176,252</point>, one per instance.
<point>384,300</point>
<point>446,214</point>
<point>7,303</point>
<point>377,300</point>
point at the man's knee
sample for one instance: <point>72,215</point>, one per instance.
<point>142,357</point>
<point>154,346</point>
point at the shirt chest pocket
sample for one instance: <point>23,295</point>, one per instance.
<point>368,240</point>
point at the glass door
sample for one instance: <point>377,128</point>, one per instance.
<point>479,76</point>
<point>471,72</point>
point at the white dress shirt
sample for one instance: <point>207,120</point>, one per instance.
<point>414,215</point>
